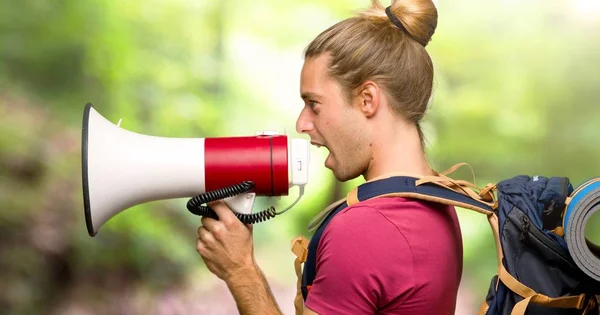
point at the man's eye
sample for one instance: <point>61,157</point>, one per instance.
<point>312,104</point>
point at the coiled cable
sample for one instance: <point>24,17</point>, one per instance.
<point>195,206</point>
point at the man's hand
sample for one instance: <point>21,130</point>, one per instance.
<point>225,245</point>
<point>227,250</point>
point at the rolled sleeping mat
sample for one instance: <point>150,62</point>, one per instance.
<point>585,202</point>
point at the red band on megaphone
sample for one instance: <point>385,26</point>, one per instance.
<point>261,159</point>
<point>280,162</point>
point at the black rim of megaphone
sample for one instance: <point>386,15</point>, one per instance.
<point>84,169</point>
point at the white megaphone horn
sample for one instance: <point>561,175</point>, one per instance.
<point>121,169</point>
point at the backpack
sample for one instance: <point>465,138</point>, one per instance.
<point>545,265</point>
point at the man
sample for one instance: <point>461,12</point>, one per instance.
<point>365,83</point>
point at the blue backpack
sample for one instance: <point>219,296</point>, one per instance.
<point>545,264</point>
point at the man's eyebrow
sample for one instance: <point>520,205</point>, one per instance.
<point>309,95</point>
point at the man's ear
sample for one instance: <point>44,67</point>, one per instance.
<point>369,95</point>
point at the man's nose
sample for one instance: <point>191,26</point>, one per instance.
<point>304,124</point>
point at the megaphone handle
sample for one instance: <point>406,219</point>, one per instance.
<point>246,218</point>
<point>242,203</point>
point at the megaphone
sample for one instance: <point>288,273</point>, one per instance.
<point>121,169</point>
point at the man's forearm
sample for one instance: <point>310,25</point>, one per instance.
<point>252,293</point>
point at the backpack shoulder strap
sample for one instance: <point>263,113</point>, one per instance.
<point>321,216</point>
<point>431,188</point>
<point>437,188</point>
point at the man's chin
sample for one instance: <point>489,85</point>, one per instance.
<point>342,176</point>
<point>338,171</point>
<point>329,165</point>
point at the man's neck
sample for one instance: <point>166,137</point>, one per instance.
<point>398,153</point>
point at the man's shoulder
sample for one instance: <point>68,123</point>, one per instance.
<point>370,213</point>
<point>362,224</point>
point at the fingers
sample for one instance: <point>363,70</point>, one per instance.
<point>223,212</point>
<point>201,248</point>
<point>206,242</point>
<point>209,223</point>
<point>206,237</point>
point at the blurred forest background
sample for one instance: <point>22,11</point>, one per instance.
<point>517,92</point>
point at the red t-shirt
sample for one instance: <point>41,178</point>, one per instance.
<point>389,256</point>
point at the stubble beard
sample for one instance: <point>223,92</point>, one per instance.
<point>350,166</point>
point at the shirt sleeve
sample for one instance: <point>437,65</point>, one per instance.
<point>363,263</point>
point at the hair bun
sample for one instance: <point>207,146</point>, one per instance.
<point>418,18</point>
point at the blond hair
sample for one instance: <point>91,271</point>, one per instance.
<point>370,47</point>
